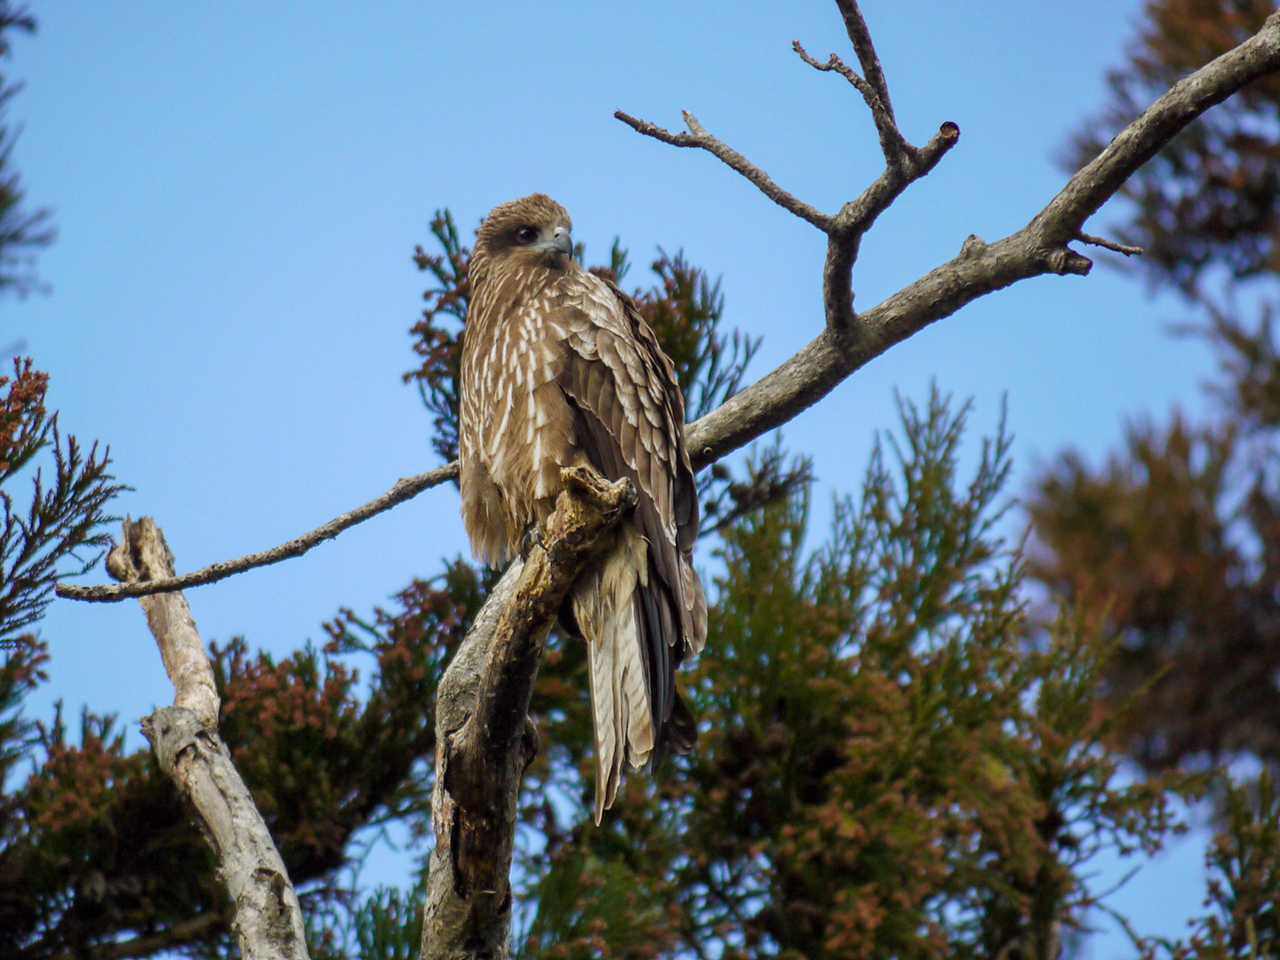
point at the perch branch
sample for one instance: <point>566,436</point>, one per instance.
<point>266,918</point>
<point>484,739</point>
<point>405,489</point>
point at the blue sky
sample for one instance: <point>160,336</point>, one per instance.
<point>238,189</point>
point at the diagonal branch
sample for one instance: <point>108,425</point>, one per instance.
<point>266,918</point>
<point>1100,179</point>
<point>1039,248</point>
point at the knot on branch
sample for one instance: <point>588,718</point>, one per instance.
<point>973,247</point>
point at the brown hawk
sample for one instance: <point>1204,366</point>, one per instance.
<point>558,368</point>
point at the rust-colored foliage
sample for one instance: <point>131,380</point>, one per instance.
<point>1158,546</point>
<point>59,532</point>
<point>1174,542</point>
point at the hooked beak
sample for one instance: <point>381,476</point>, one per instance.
<point>562,240</point>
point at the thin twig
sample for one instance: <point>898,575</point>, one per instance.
<point>892,143</point>
<point>1126,249</point>
<point>699,138</point>
<point>405,489</point>
<point>860,37</point>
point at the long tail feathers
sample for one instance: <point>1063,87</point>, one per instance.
<point>605,608</point>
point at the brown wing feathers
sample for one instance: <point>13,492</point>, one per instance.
<point>557,368</point>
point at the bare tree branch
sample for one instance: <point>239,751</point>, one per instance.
<point>405,489</point>
<point>979,268</point>
<point>484,739</point>
<point>266,918</point>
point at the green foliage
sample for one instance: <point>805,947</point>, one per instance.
<point>386,925</point>
<point>892,762</point>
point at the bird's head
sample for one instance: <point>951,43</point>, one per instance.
<point>531,231</point>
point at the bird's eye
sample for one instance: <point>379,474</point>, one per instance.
<point>527,234</point>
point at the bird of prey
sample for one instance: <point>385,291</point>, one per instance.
<point>559,369</point>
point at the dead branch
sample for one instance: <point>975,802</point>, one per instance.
<point>484,739</point>
<point>404,489</point>
<point>265,917</point>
